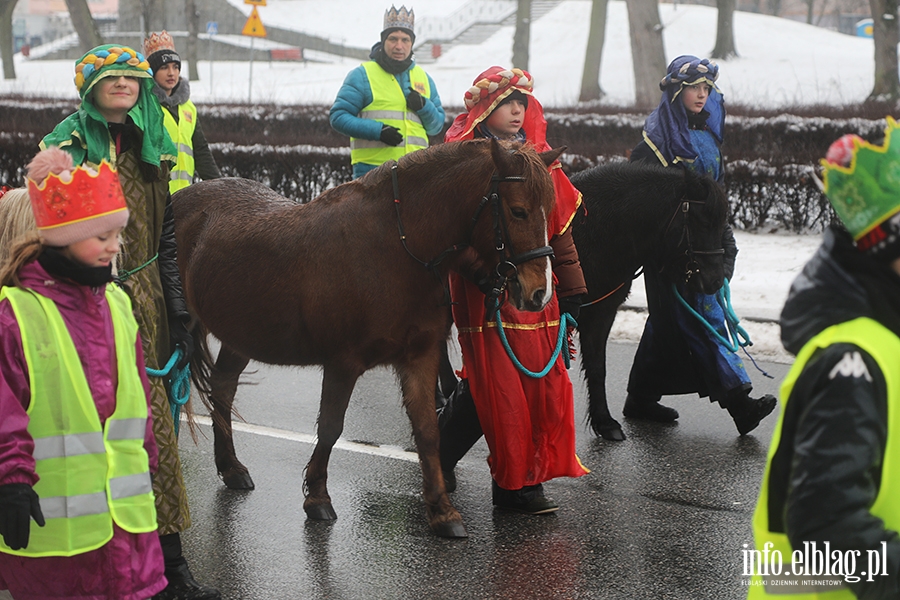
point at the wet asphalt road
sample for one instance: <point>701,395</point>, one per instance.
<point>663,515</point>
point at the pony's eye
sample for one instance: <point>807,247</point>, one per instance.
<point>518,213</point>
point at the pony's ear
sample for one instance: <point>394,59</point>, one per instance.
<point>500,157</point>
<point>550,156</point>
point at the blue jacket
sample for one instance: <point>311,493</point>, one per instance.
<point>356,93</point>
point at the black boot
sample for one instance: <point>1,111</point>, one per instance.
<point>648,408</point>
<point>182,585</point>
<point>460,429</point>
<point>747,412</point>
<point>529,500</point>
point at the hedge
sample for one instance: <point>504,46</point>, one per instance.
<point>772,160</point>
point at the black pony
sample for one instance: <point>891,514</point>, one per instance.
<point>640,216</point>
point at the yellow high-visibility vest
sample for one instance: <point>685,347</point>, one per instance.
<point>90,476</point>
<point>884,347</point>
<point>182,134</point>
<point>389,107</point>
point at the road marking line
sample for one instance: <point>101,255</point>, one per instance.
<point>304,438</point>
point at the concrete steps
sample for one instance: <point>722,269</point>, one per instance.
<point>478,29</point>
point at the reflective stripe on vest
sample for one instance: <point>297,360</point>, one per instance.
<point>387,97</point>
<point>112,482</point>
<point>182,134</point>
<point>884,347</point>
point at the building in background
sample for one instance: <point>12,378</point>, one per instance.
<point>37,22</point>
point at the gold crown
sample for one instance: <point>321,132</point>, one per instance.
<point>405,19</point>
<point>157,42</point>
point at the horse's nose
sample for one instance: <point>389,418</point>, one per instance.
<point>538,297</point>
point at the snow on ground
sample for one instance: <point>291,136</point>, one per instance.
<point>781,63</point>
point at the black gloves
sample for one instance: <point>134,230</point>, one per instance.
<point>571,305</point>
<point>415,101</point>
<point>18,504</point>
<point>183,339</point>
<point>390,135</point>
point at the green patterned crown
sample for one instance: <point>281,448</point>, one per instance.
<point>867,192</point>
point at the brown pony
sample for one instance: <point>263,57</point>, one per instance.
<point>355,279</point>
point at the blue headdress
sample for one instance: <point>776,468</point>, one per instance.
<point>666,129</point>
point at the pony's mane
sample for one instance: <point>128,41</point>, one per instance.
<point>454,154</point>
<point>625,173</point>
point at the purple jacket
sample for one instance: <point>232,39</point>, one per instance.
<point>129,566</point>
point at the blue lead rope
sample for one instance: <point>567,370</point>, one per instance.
<point>180,387</point>
<point>565,320</point>
<point>737,335</point>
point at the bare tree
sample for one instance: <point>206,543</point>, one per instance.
<point>149,11</point>
<point>886,36</point>
<point>84,24</point>
<point>725,30</point>
<point>522,37</point>
<point>7,43</point>
<point>193,22</point>
<point>590,76</point>
<point>647,53</point>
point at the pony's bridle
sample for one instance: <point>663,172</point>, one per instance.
<point>507,268</point>
<point>693,266</point>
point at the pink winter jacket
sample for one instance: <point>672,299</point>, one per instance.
<point>129,566</point>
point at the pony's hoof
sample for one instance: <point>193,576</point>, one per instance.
<point>613,433</point>
<point>321,512</point>
<point>450,529</point>
<point>238,480</point>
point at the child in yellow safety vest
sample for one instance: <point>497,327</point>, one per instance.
<point>827,522</point>
<point>77,514</point>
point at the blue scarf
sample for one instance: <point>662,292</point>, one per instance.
<point>666,130</point>
<point>482,131</point>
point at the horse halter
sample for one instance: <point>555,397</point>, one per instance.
<point>692,266</point>
<point>507,268</point>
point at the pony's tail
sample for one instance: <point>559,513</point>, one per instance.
<point>203,370</point>
<point>202,363</point>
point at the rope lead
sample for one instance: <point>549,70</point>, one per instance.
<point>737,335</point>
<point>179,384</point>
<point>565,320</point>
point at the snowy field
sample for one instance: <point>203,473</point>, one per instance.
<point>782,63</point>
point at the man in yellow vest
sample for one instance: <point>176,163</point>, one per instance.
<point>180,114</point>
<point>827,521</point>
<point>388,105</point>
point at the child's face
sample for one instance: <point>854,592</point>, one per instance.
<point>694,97</point>
<point>95,251</point>
<point>506,120</point>
<point>168,76</point>
<point>115,96</point>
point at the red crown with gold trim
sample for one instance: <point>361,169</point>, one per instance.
<point>71,209</point>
